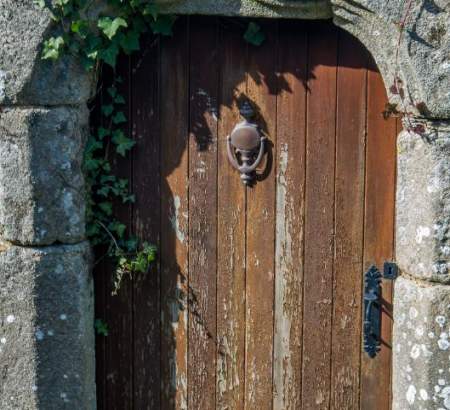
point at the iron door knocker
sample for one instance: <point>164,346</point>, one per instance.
<point>246,145</point>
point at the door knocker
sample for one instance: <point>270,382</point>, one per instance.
<point>246,145</point>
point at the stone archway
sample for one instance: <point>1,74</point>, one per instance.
<point>45,285</point>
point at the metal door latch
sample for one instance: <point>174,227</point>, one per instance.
<point>372,305</point>
<point>246,145</point>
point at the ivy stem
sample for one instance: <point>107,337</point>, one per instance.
<point>109,233</point>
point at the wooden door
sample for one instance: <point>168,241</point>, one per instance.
<point>255,302</point>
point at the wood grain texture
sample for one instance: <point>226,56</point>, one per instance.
<point>230,232</point>
<point>319,230</point>
<point>290,166</point>
<point>100,283</point>
<point>174,114</point>
<point>261,91</point>
<point>349,221</point>
<point>146,222</point>
<point>119,344</point>
<point>378,234</point>
<point>255,302</point>
<point>202,213</point>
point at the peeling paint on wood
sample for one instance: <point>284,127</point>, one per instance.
<point>289,221</point>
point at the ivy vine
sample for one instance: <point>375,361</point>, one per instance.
<point>96,33</point>
<point>97,36</point>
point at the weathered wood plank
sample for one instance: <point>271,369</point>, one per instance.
<point>261,91</point>
<point>290,166</point>
<point>174,103</point>
<point>378,233</point>
<point>349,221</point>
<point>99,275</point>
<point>202,213</point>
<point>230,232</point>
<point>319,223</point>
<point>146,221</point>
<point>119,344</point>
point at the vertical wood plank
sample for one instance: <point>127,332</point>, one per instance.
<point>202,213</point>
<point>349,222</point>
<point>319,225</point>
<point>99,275</point>
<point>230,232</point>
<point>261,91</point>
<point>119,345</point>
<point>290,165</point>
<point>146,221</point>
<point>379,234</point>
<point>174,103</point>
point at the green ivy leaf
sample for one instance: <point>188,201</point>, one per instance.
<point>40,3</point>
<point>93,145</point>
<point>118,228</point>
<point>151,10</point>
<point>92,230</point>
<point>112,91</point>
<point>135,3</point>
<point>130,42</point>
<point>101,327</point>
<point>131,244</point>
<point>88,63</point>
<point>119,99</point>
<point>103,132</point>
<point>163,25</point>
<point>254,35</point>
<point>52,48</point>
<point>119,118</point>
<point>129,199</point>
<point>106,207</point>
<point>107,178</point>
<point>110,26</point>
<point>107,110</point>
<point>123,143</point>
<point>92,46</point>
<point>103,191</point>
<point>80,27</point>
<point>109,54</point>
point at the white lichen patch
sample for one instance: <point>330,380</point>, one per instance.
<point>419,332</point>
<point>440,320</point>
<point>415,352</point>
<point>423,394</point>
<point>2,84</point>
<point>10,319</point>
<point>445,394</point>
<point>440,268</point>
<point>413,313</point>
<point>422,232</point>
<point>411,394</point>
<point>63,316</point>
<point>39,334</point>
<point>443,342</point>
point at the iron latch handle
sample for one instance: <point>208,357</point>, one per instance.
<point>373,306</point>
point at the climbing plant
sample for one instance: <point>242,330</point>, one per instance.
<point>96,33</point>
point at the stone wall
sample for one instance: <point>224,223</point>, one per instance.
<point>46,295</point>
<point>46,306</point>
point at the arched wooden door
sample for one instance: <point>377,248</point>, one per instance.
<point>256,299</point>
